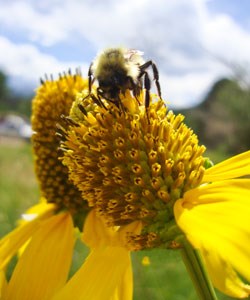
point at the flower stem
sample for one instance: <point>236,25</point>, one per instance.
<point>197,272</point>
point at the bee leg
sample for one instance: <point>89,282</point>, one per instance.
<point>116,101</point>
<point>98,99</point>
<point>135,94</point>
<point>121,106</point>
<point>94,99</point>
<point>147,86</point>
<point>155,74</point>
<point>156,78</point>
<point>118,104</point>
<point>91,80</point>
<point>136,89</point>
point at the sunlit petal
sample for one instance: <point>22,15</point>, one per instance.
<point>11,243</point>
<point>96,233</point>
<point>37,210</point>
<point>107,272</point>
<point>99,276</point>
<point>125,288</point>
<point>215,219</point>
<point>233,167</point>
<point>43,267</point>
<point>223,275</point>
<point>3,284</point>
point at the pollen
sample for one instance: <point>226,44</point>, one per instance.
<point>141,160</point>
<point>53,99</point>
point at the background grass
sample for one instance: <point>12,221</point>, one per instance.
<point>164,278</point>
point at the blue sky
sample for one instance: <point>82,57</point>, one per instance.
<point>193,42</point>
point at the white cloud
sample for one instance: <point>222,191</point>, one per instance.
<point>227,39</point>
<point>104,23</point>
<point>23,17</point>
<point>27,62</point>
<point>186,90</point>
<point>184,39</point>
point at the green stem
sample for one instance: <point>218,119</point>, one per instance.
<point>197,272</point>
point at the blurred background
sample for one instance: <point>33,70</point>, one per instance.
<point>202,50</point>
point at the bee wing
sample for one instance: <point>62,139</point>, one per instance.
<point>131,52</point>
<point>134,57</point>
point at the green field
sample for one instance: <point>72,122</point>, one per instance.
<point>164,278</point>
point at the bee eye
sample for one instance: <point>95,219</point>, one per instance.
<point>104,83</point>
<point>115,80</point>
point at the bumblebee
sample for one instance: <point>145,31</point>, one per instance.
<point>119,69</point>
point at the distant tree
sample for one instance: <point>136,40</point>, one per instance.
<point>222,120</point>
<point>3,88</point>
<point>12,102</point>
<point>23,105</point>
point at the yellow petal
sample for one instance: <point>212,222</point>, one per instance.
<point>3,284</point>
<point>106,273</point>
<point>96,233</point>
<point>124,290</point>
<point>223,275</point>
<point>236,166</point>
<point>43,267</point>
<point>40,209</point>
<point>215,219</point>
<point>100,276</point>
<point>11,243</point>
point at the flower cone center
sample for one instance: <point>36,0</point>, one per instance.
<point>53,99</point>
<point>133,164</point>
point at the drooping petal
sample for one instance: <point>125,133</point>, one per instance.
<point>215,219</point>
<point>99,277</point>
<point>3,284</point>
<point>37,210</point>
<point>106,274</point>
<point>12,242</point>
<point>96,233</point>
<point>125,289</point>
<point>223,275</point>
<point>233,167</point>
<point>43,267</point>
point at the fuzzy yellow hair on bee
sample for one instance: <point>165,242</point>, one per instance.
<point>119,69</point>
<point>117,61</point>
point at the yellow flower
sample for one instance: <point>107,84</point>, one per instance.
<point>54,99</point>
<point>215,219</point>
<point>46,234</point>
<point>133,165</point>
<point>145,165</point>
<point>59,196</point>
